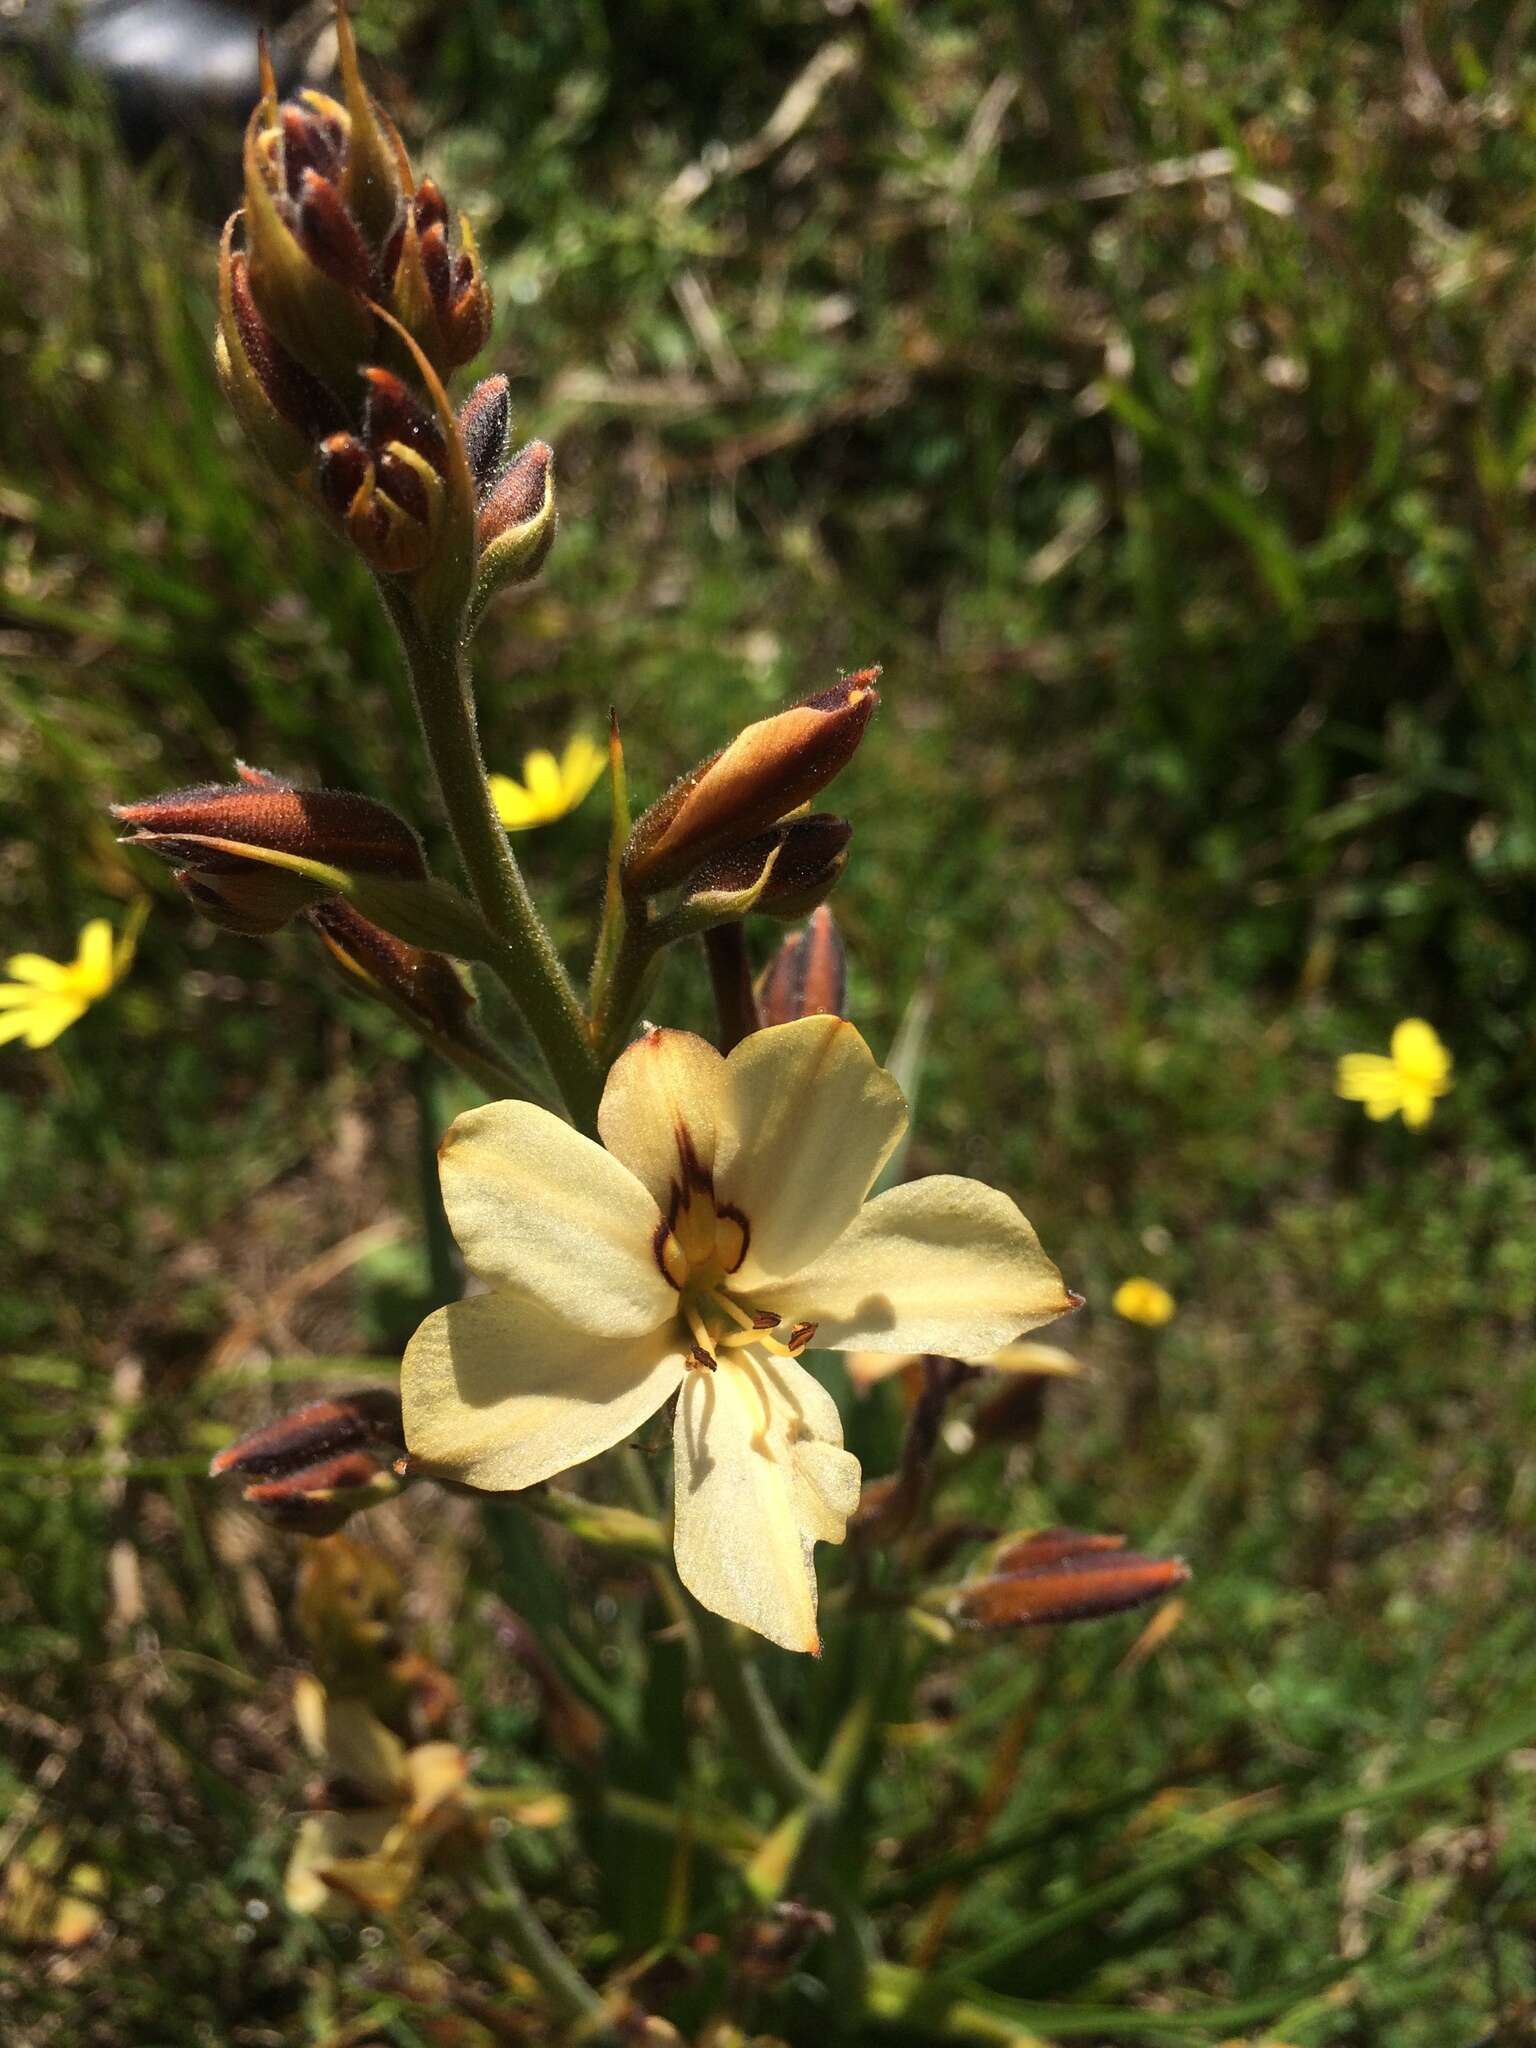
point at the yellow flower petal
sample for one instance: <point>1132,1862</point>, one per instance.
<point>943,1264</point>
<point>807,1122</point>
<point>514,806</point>
<point>1418,1106</point>
<point>1367,1077</point>
<point>541,779</point>
<point>92,973</point>
<point>538,1207</point>
<point>660,1110</point>
<point>501,1393</point>
<point>1143,1301</point>
<point>1419,1055</point>
<point>40,1023</point>
<point>761,1477</point>
<point>581,767</point>
<point>33,969</point>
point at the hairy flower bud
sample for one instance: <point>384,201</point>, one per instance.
<point>515,528</point>
<point>253,901</point>
<point>219,828</point>
<point>808,976</point>
<point>785,872</point>
<point>283,408</point>
<point>1063,1575</point>
<point>427,984</point>
<point>340,241</point>
<point>766,772</point>
<point>309,1470</point>
<point>485,421</point>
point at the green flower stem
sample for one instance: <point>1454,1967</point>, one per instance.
<point>730,977</point>
<point>568,1992</point>
<point>532,971</point>
<point>749,1713</point>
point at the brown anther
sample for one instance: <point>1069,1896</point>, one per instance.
<point>800,1337</point>
<point>765,1319</point>
<point>700,1359</point>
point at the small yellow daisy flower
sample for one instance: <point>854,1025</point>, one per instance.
<point>1143,1301</point>
<point>1407,1083</point>
<point>549,788</point>
<point>44,997</point>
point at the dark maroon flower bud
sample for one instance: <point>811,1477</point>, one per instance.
<point>786,871</point>
<point>367,1419</point>
<point>808,976</point>
<point>330,237</point>
<point>426,984</point>
<point>485,419</point>
<point>392,413</point>
<point>308,1471</point>
<point>331,825</point>
<point>253,901</point>
<point>343,467</point>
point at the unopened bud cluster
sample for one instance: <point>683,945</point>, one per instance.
<point>347,297</point>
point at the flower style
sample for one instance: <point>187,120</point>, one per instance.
<point>1408,1082</point>
<point>549,788</point>
<point>724,1228</point>
<point>44,997</point>
<point>1143,1301</point>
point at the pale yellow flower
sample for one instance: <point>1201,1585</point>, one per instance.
<point>867,1368</point>
<point>44,997</point>
<point>1143,1301</point>
<point>549,788</point>
<point>399,1805</point>
<point>724,1228</point>
<point>1408,1082</point>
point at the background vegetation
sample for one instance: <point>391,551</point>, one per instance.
<point>1146,388</point>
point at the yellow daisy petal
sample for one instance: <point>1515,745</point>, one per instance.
<point>1367,1077</point>
<point>514,806</point>
<point>92,974</point>
<point>36,971</point>
<point>581,767</point>
<point>1419,1056</point>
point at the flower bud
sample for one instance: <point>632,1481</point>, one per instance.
<point>427,984</point>
<point>767,771</point>
<point>440,297</point>
<point>515,529</point>
<point>336,231</point>
<point>282,407</point>
<point>254,901</point>
<point>1063,1575</point>
<point>310,1470</point>
<point>808,976</point>
<point>784,873</point>
<point>218,828</point>
<point>485,420</point>
<point>367,1419</point>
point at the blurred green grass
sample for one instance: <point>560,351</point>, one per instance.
<point>1149,391</point>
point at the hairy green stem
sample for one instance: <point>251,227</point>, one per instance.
<point>568,1992</point>
<point>531,969</point>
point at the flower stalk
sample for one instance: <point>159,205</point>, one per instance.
<point>530,969</point>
